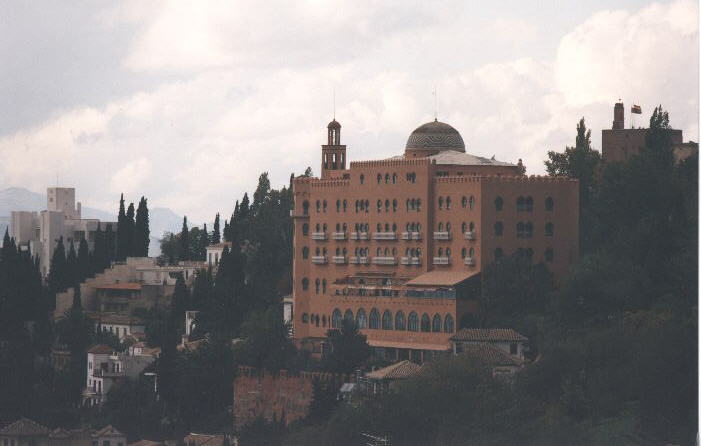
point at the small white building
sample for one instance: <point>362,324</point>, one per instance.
<point>215,252</point>
<point>501,349</point>
<point>119,324</point>
<point>105,367</point>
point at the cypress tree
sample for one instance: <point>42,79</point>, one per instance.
<point>184,241</point>
<point>244,208</point>
<point>110,246</point>
<point>71,265</point>
<point>129,242</point>
<point>58,271</point>
<point>84,261</point>
<point>216,235</point>
<point>202,244</point>
<point>141,230</point>
<point>121,231</point>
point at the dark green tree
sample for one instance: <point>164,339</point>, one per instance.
<point>216,235</point>
<point>184,252</point>
<point>142,233</point>
<point>122,231</point>
<point>58,272</point>
<point>349,348</point>
<point>85,266</point>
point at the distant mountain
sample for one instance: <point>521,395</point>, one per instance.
<point>20,199</point>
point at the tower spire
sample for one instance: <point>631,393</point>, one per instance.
<point>334,103</point>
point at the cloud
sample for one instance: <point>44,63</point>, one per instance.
<point>253,92</point>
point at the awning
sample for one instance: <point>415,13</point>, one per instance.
<point>441,278</point>
<point>408,345</point>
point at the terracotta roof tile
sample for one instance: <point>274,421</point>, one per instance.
<point>488,335</point>
<point>490,355</point>
<point>401,370</point>
<point>441,278</point>
<point>101,349</point>
<point>24,427</point>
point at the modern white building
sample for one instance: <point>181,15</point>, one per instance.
<point>40,231</point>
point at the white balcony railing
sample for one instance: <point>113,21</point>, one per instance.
<point>319,260</point>
<point>384,236</point>
<point>364,260</point>
<point>441,235</point>
<point>411,260</point>
<point>318,236</point>
<point>469,261</point>
<point>470,235</point>
<point>359,236</point>
<point>338,236</point>
<point>441,260</point>
<point>338,259</point>
<point>411,236</point>
<point>353,260</point>
<point>384,260</point>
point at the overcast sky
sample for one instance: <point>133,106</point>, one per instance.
<point>188,102</point>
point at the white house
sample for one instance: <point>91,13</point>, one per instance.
<point>215,251</point>
<point>502,349</point>
<point>119,324</point>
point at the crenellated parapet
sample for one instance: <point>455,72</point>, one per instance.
<point>392,162</point>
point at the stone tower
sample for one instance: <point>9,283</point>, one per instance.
<point>333,154</point>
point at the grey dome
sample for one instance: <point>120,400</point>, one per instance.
<point>435,136</point>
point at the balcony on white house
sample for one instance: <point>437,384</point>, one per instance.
<point>384,236</point>
<point>338,259</point>
<point>338,235</point>
<point>319,260</point>
<point>359,236</point>
<point>411,260</point>
<point>470,235</point>
<point>441,235</point>
<point>384,260</point>
<point>318,236</point>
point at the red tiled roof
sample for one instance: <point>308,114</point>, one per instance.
<point>488,335</point>
<point>100,349</point>
<point>401,370</point>
<point>490,355</point>
<point>120,286</point>
<point>24,427</point>
<point>108,430</point>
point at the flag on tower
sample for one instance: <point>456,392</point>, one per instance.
<point>636,109</point>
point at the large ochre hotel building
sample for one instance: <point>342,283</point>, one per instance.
<point>398,244</point>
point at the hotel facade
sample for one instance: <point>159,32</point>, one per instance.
<point>398,244</point>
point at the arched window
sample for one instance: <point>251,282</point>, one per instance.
<point>498,203</point>
<point>448,203</point>
<point>386,205</point>
<point>394,178</point>
<point>399,321</point>
<point>379,178</point>
<point>345,205</point>
<point>472,253</point>
<point>386,178</point>
<point>305,253</point>
<point>472,202</point>
<point>549,229</point>
<point>463,252</point>
<point>362,178</point>
<point>318,206</point>
<point>425,323</point>
<point>305,229</point>
<point>394,205</point>
<point>379,205</point>
<point>448,324</point>
<point>440,226</point>
<point>520,204</point>
<point>529,229</point>
<point>549,255</point>
<point>447,227</point>
<point>464,227</point>
<point>529,204</point>
<point>305,317</point>
<point>317,283</point>
<point>336,318</point>
<point>437,325</point>
<point>374,319</point>
<point>338,205</point>
<point>413,324</point>
<point>549,204</point>
<point>440,202</point>
<point>498,228</point>
<point>348,315</point>
<point>305,207</point>
<point>498,253</point>
<point>387,320</point>
<point>520,230</point>
<point>317,251</point>
<point>305,284</point>
<point>464,202</point>
<point>447,252</point>
<point>323,283</point>
<point>361,319</point>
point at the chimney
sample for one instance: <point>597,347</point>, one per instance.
<point>618,115</point>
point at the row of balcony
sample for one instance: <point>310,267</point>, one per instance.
<point>391,260</point>
<point>438,235</point>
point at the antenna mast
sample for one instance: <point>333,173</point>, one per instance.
<point>435,103</point>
